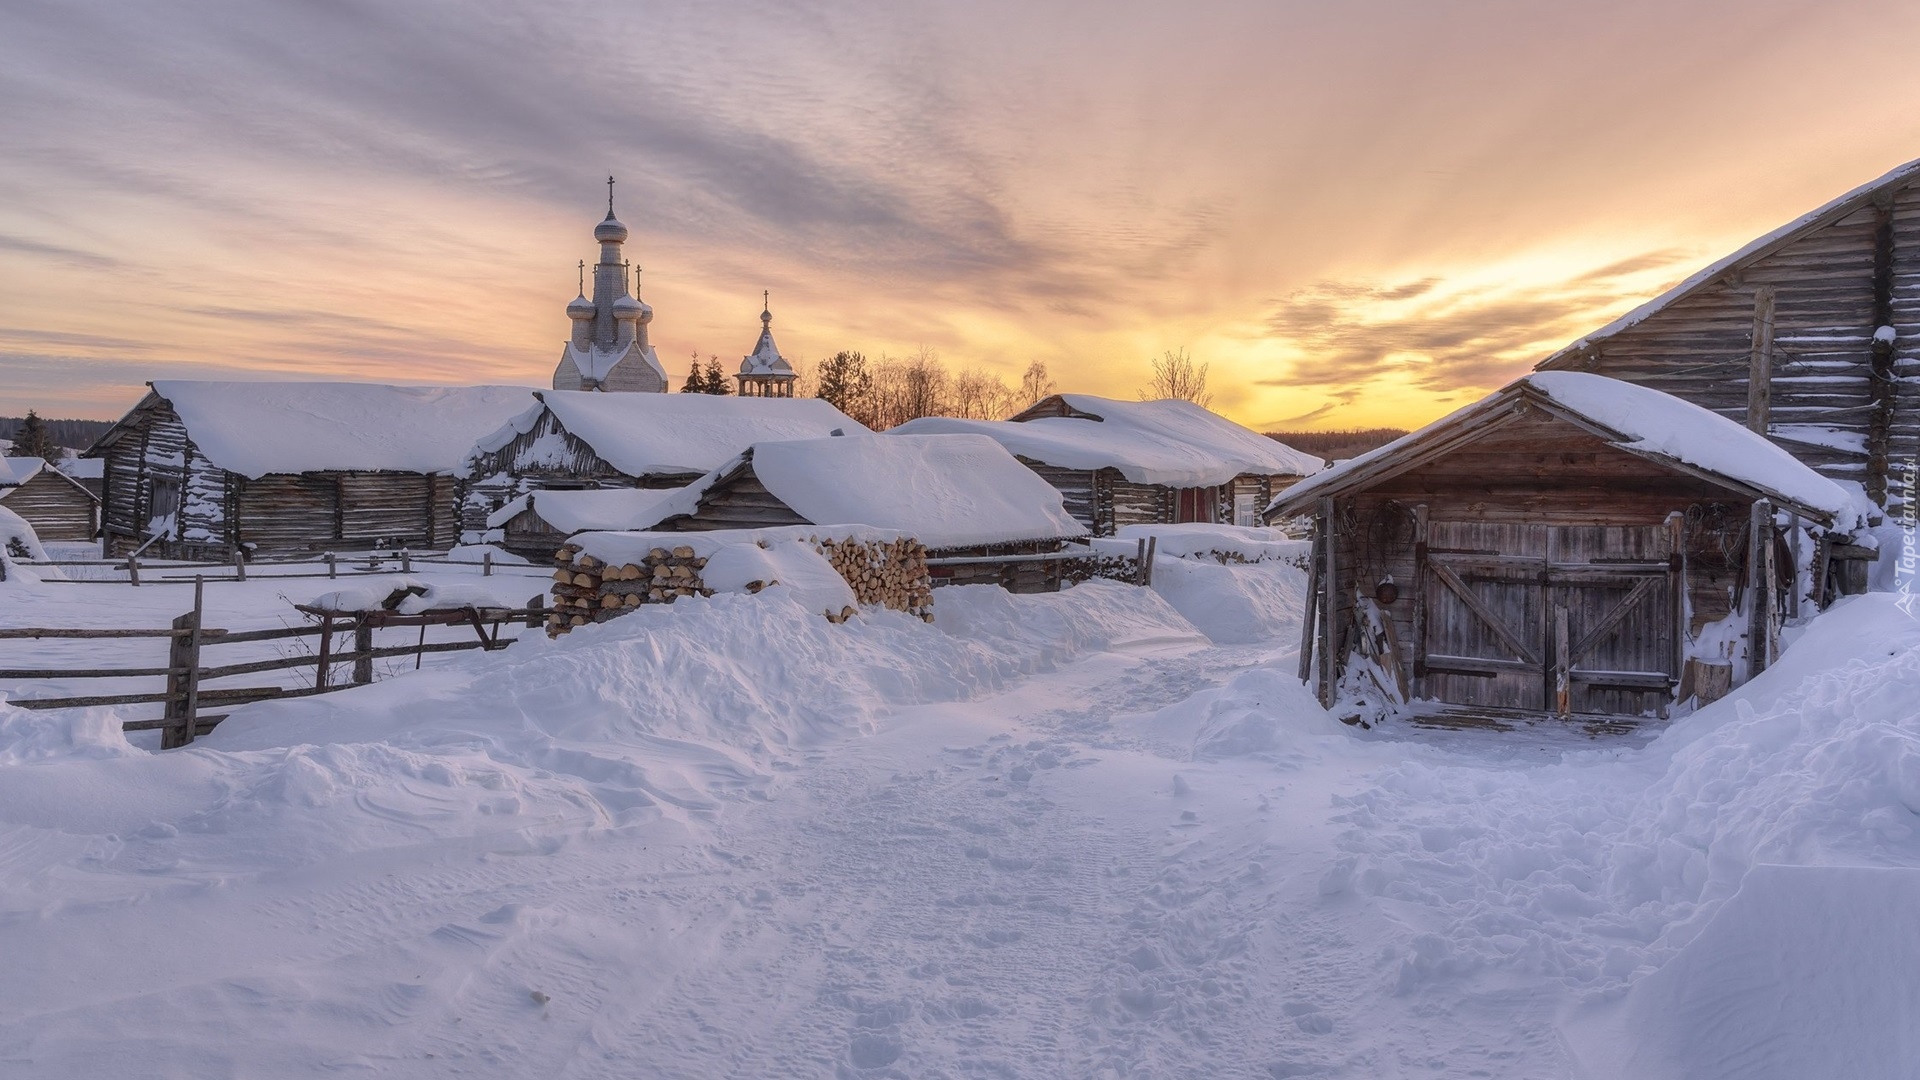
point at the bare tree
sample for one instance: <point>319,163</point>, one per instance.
<point>1035,384</point>
<point>980,395</point>
<point>908,388</point>
<point>1175,376</point>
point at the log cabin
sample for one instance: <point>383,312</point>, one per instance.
<point>1809,335</point>
<point>1120,463</point>
<point>59,507</point>
<point>583,440</point>
<point>1570,546</point>
<point>208,469</point>
<point>982,517</point>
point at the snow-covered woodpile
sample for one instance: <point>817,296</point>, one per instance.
<point>602,575</point>
<point>1807,335</point>
<point>576,440</point>
<point>1123,463</point>
<point>1572,544</point>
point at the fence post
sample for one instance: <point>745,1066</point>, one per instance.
<point>486,564</point>
<point>406,561</point>
<point>133,569</point>
<point>333,567</point>
<point>1153,546</point>
<point>183,681</point>
<point>536,611</point>
<point>363,647</point>
<point>326,651</point>
<point>239,566</point>
<point>1140,562</point>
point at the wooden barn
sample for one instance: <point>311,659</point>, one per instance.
<point>205,469</point>
<point>981,516</point>
<point>1120,463</point>
<point>59,507</point>
<point>578,439</point>
<point>1810,335</point>
<point>1571,545</point>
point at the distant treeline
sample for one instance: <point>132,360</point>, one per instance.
<point>1337,445</point>
<point>78,434</point>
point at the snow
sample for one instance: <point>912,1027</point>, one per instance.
<point>84,468</point>
<point>19,470</point>
<point>411,595</point>
<point>623,548</point>
<point>605,509</point>
<point>1045,836</point>
<point>793,566</point>
<point>1220,543</point>
<point>1645,421</point>
<point>646,434</point>
<point>258,428</point>
<point>945,491</point>
<point>1171,442</point>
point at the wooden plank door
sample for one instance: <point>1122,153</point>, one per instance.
<point>1485,619</point>
<point>1617,586</point>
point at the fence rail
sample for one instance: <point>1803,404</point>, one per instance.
<point>185,670</point>
<point>334,565</point>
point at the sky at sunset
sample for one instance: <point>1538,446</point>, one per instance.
<point>1357,213</point>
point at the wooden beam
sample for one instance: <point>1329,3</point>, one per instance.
<point>1451,580</point>
<point>1329,667</point>
<point>1760,362</point>
<point>1760,589</point>
<point>1882,386</point>
<point>1312,612</point>
<point>1421,534</point>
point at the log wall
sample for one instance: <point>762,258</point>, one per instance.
<point>1839,401</point>
<point>57,508</point>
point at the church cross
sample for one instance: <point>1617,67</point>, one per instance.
<point>609,196</point>
<point>583,277</point>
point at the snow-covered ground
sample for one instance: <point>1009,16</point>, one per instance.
<point>1103,833</point>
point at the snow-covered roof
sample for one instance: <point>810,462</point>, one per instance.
<point>1171,443</point>
<point>259,428</point>
<point>944,490</point>
<point>84,468</point>
<point>19,470</point>
<point>571,511</point>
<point>765,358</point>
<point>1637,419</point>
<point>1825,215</point>
<point>649,434</point>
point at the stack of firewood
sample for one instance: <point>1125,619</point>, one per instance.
<point>889,573</point>
<point>587,590</point>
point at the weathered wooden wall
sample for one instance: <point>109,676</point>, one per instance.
<point>57,508</point>
<point>547,456</point>
<point>1840,401</point>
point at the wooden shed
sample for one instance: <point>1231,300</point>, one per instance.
<point>981,516</point>
<point>1570,545</point>
<point>204,469</point>
<point>583,440</point>
<point>1809,335</point>
<point>1120,463</point>
<point>59,507</point>
<point>537,523</point>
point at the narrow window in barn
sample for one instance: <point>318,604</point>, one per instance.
<point>1196,504</point>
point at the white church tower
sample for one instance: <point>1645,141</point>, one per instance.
<point>608,349</point>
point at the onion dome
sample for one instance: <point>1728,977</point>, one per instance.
<point>626,307</point>
<point>610,231</point>
<point>580,308</point>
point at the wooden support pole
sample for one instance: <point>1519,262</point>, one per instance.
<point>1329,606</point>
<point>406,561</point>
<point>333,566</point>
<point>1677,589</point>
<point>1153,547</point>
<point>1312,613</point>
<point>183,686</point>
<point>239,565</point>
<point>1562,664</point>
<point>1140,561</point>
<point>133,569</point>
<point>1421,532</point>
<point>1760,366</point>
<point>1882,384</point>
<point>1760,588</point>
<point>486,563</point>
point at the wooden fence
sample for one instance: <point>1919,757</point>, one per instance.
<point>330,565</point>
<point>182,721</point>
